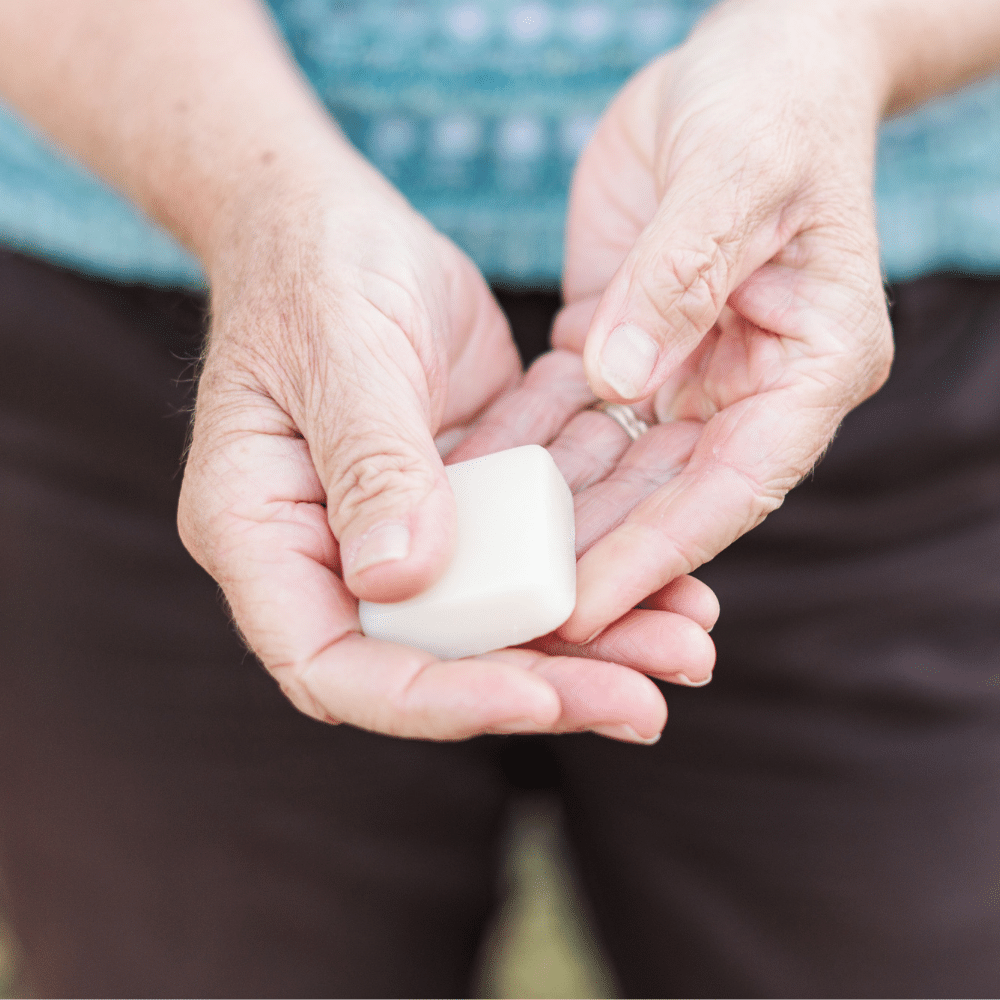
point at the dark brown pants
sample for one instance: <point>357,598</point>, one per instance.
<point>823,820</point>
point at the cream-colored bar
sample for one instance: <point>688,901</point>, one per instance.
<point>513,575</point>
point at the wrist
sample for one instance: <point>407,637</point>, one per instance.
<point>904,51</point>
<point>824,47</point>
<point>931,47</point>
<point>244,203</point>
<point>299,194</point>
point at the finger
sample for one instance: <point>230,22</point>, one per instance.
<point>400,691</point>
<point>589,448</point>
<point>569,328</point>
<point>605,697</point>
<point>553,389</point>
<point>662,644</point>
<point>687,596</point>
<point>747,458</point>
<point>369,430</point>
<point>707,236</point>
<point>647,464</point>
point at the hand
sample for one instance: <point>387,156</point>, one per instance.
<point>722,264</point>
<point>609,476</point>
<point>346,335</point>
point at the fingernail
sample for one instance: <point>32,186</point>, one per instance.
<point>627,360</point>
<point>624,732</point>
<point>386,542</point>
<point>687,682</point>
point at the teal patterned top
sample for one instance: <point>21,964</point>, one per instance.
<point>477,110</point>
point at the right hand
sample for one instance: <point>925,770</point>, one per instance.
<point>346,335</point>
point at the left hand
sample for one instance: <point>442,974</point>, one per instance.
<point>608,476</point>
<point>722,271</point>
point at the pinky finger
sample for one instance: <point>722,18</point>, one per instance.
<point>687,596</point>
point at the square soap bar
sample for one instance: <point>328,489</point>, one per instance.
<point>513,575</point>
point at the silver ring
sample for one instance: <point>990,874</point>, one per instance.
<point>624,416</point>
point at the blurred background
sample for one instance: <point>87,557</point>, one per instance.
<point>6,962</point>
<point>542,943</point>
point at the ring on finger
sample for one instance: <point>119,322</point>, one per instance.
<point>626,418</point>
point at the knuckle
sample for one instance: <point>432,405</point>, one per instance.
<point>194,532</point>
<point>874,365</point>
<point>688,286</point>
<point>884,354</point>
<point>374,479</point>
<point>186,520</point>
<point>187,528</point>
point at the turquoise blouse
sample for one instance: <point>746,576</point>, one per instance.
<point>477,110</point>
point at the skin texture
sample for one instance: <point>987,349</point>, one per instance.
<point>340,406</point>
<point>721,211</point>
<point>723,216</point>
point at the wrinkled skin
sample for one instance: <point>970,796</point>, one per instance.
<point>724,211</point>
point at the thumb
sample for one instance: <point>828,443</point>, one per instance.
<point>670,289</point>
<point>389,503</point>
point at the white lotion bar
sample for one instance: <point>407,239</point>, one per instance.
<point>513,575</point>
